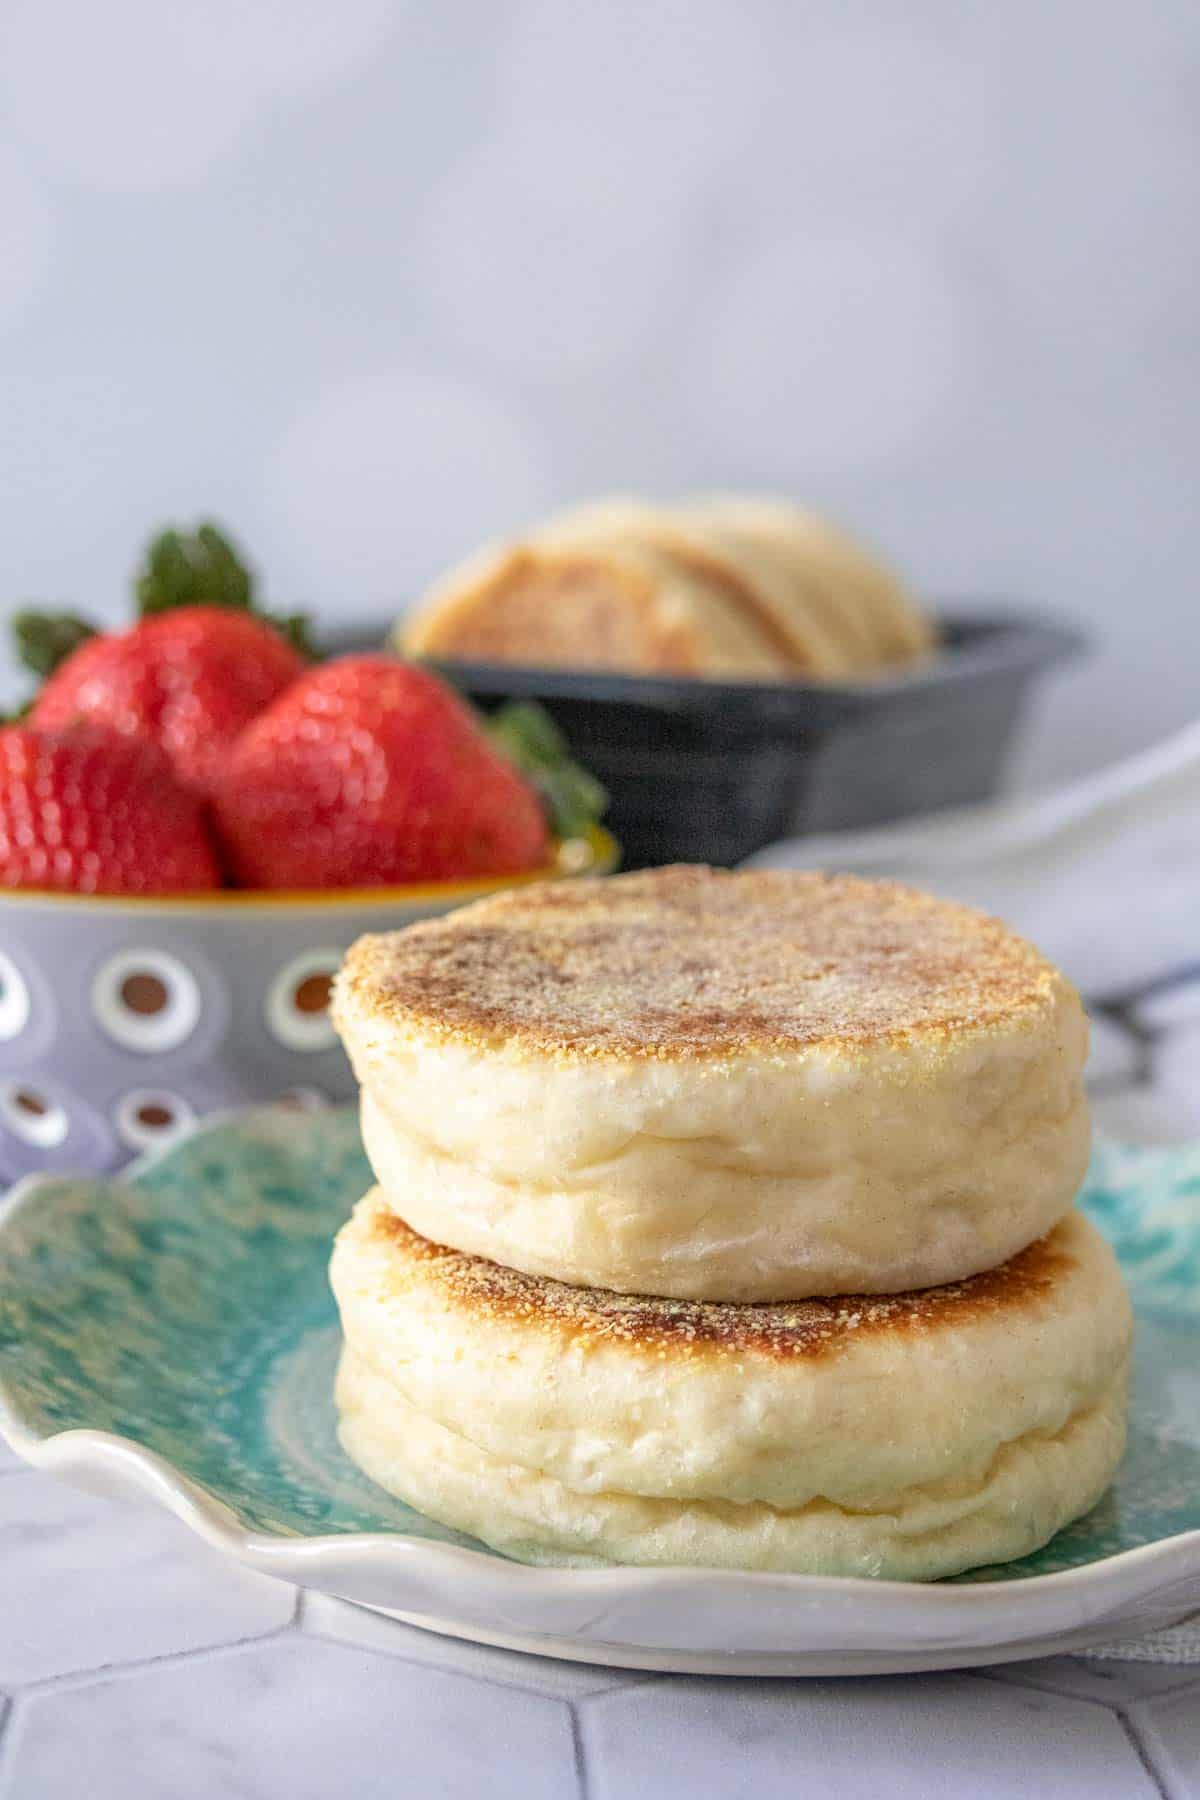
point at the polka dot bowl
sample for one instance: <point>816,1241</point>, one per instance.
<point>123,1021</point>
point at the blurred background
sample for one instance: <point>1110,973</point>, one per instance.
<point>368,280</point>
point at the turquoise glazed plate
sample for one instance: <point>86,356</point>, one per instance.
<point>172,1334</point>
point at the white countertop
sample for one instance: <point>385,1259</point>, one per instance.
<point>135,1661</point>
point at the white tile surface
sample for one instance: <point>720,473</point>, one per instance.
<point>1116,1684</point>
<point>1169,1732</point>
<point>337,1621</point>
<point>906,1738</point>
<point>292,1719</point>
<point>87,1582</point>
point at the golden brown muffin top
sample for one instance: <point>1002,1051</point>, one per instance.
<point>683,1328</point>
<point>690,962</point>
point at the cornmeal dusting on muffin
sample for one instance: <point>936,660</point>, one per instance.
<point>687,962</point>
<point>808,1328</point>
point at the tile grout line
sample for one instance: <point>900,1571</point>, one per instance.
<point>117,1671</point>
<point>1129,1725</point>
<point>8,1721</point>
<point>1121,1708</point>
<point>998,1674</point>
<point>578,1751</point>
<point>643,1678</point>
<point>319,1635</point>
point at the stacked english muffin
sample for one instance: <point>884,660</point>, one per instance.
<point>727,1220</point>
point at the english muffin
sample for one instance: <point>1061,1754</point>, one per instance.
<point>727,1087</point>
<point>601,605</point>
<point>724,589</point>
<point>909,1436</point>
<point>853,586</point>
<point>759,584</point>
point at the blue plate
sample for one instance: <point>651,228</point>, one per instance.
<point>174,1330</point>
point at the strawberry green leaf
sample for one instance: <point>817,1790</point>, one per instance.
<point>296,628</point>
<point>193,568</point>
<point>525,733</point>
<point>44,640</point>
<point>204,568</point>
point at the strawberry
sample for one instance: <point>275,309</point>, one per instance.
<point>91,811</point>
<point>190,679</point>
<point>369,771</point>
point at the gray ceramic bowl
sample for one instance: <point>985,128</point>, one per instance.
<point>122,1021</point>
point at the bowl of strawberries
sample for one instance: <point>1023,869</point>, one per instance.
<point>197,816</point>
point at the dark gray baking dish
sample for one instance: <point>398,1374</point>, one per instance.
<point>702,771</point>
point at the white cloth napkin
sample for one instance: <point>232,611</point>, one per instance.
<point>1104,875</point>
<point>1181,1644</point>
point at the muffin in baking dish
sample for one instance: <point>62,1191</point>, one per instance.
<point>724,588</point>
